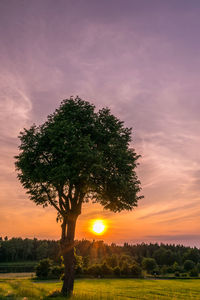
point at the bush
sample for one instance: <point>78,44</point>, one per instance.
<point>164,270</point>
<point>125,259</point>
<point>43,268</point>
<point>177,274</point>
<point>156,271</point>
<point>95,270</point>
<point>136,271</point>
<point>78,263</point>
<point>126,269</point>
<point>192,254</point>
<point>55,272</point>
<point>198,267</point>
<point>78,270</point>
<point>189,265</point>
<point>46,270</point>
<point>117,271</point>
<point>105,269</point>
<point>170,269</point>
<point>194,272</point>
<point>112,261</point>
<point>85,271</point>
<point>176,267</point>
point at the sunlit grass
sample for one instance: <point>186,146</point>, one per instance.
<point>97,289</point>
<point>16,275</point>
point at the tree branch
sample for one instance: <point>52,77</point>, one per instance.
<point>50,200</point>
<point>66,205</point>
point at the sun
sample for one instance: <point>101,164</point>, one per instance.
<point>98,227</point>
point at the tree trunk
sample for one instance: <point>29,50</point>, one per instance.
<point>67,247</point>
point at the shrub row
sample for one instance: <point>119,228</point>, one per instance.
<point>47,270</point>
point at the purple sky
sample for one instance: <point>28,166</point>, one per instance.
<point>141,59</point>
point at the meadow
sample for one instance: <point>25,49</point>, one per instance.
<point>96,289</point>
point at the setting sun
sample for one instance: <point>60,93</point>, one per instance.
<point>98,227</point>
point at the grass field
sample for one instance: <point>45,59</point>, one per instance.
<point>96,289</point>
<point>16,275</point>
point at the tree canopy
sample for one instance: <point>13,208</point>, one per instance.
<point>76,155</point>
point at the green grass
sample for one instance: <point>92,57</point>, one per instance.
<point>96,289</point>
<point>16,275</point>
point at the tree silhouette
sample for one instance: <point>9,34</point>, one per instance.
<point>78,155</point>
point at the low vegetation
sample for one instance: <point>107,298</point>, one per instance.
<point>88,289</point>
<point>110,270</point>
<point>97,259</point>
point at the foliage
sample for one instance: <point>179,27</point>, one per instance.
<point>177,274</point>
<point>149,264</point>
<point>189,265</point>
<point>78,263</point>
<point>177,267</point>
<point>106,270</point>
<point>42,251</point>
<point>125,260</point>
<point>117,271</point>
<point>136,270</point>
<point>112,260</point>
<point>95,270</point>
<point>126,269</point>
<point>164,270</point>
<point>55,272</point>
<point>47,270</point>
<point>79,154</point>
<point>18,249</point>
<point>194,272</point>
<point>43,268</point>
<point>198,267</point>
<point>164,256</point>
<point>13,251</point>
<point>192,254</point>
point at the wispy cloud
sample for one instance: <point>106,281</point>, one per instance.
<point>142,61</point>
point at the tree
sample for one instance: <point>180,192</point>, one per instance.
<point>163,256</point>
<point>194,272</point>
<point>136,271</point>
<point>105,269</point>
<point>192,254</point>
<point>78,155</point>
<point>112,261</point>
<point>42,251</point>
<point>149,264</point>
<point>126,268</point>
<point>189,265</point>
<point>176,267</point>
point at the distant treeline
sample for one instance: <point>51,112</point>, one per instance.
<point>154,258</point>
<point>18,249</point>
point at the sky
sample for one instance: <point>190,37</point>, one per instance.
<point>140,58</point>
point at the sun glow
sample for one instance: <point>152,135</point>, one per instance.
<point>98,227</point>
